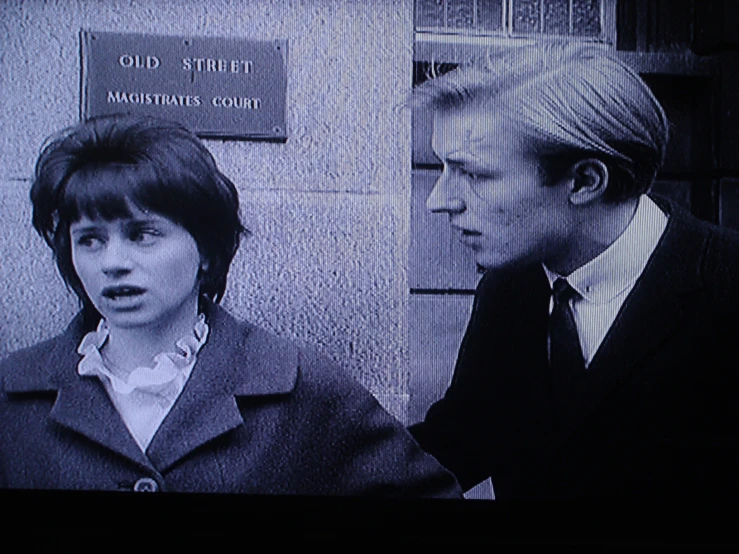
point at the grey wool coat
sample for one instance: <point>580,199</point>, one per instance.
<point>258,415</point>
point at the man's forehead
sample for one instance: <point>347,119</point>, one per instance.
<point>472,128</point>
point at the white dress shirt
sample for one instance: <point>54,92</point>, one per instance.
<point>604,282</point>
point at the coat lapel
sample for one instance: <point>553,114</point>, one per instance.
<point>238,360</point>
<point>82,404</point>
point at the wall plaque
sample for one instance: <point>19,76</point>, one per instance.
<point>217,87</point>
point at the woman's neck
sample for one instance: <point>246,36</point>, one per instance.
<point>132,347</point>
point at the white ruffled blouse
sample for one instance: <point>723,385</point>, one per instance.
<point>146,395</point>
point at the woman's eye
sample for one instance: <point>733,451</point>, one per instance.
<point>89,241</point>
<point>145,236</point>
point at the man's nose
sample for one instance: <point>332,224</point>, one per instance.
<point>116,258</point>
<point>444,196</point>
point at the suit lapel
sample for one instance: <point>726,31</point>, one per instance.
<point>503,363</point>
<point>654,310</point>
<point>533,372</point>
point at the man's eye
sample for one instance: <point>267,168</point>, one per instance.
<point>460,171</point>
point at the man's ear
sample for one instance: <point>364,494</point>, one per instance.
<point>589,180</point>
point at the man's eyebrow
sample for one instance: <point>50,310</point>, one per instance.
<point>466,161</point>
<point>457,158</point>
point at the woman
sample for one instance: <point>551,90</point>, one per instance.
<point>153,386</point>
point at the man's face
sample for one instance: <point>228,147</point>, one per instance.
<point>494,192</point>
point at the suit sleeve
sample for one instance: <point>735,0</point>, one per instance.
<point>452,429</point>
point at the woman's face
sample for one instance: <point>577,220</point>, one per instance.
<point>138,272</point>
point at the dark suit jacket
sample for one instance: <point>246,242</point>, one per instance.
<point>657,414</point>
<point>258,415</point>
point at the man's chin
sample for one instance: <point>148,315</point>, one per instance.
<point>484,266</point>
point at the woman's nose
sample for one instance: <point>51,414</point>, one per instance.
<point>116,257</point>
<point>444,196</point>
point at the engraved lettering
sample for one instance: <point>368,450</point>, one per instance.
<point>236,102</point>
<point>158,99</point>
<point>139,62</point>
<point>114,97</point>
<point>213,65</point>
<point>126,61</point>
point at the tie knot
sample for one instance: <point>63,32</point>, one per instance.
<point>562,290</point>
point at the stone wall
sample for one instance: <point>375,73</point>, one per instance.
<point>329,209</point>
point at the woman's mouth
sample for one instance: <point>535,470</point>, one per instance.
<point>122,292</point>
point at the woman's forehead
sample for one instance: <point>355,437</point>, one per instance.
<point>105,193</point>
<point>135,215</point>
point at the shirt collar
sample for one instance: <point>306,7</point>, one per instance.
<point>617,268</point>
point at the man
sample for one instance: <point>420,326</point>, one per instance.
<point>601,356</point>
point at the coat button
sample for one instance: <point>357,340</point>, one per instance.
<point>145,484</point>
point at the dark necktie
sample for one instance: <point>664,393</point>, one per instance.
<point>565,354</point>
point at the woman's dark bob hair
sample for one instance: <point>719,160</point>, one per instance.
<point>155,165</point>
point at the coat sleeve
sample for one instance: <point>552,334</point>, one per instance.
<point>361,449</point>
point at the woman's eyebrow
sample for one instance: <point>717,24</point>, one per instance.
<point>139,221</point>
<point>74,228</point>
<point>137,224</point>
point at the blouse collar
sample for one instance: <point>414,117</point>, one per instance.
<point>168,366</point>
